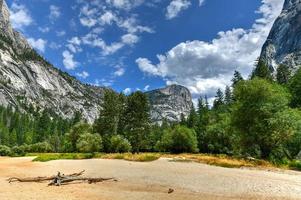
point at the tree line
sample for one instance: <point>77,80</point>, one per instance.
<point>258,117</point>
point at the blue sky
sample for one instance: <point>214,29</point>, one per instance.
<point>146,44</point>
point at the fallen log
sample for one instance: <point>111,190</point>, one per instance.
<point>61,179</point>
<point>41,178</point>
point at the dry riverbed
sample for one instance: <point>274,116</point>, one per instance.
<point>147,180</point>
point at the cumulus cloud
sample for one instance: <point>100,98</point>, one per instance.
<point>55,12</point>
<point>83,74</point>
<point>38,44</point>
<point>68,60</point>
<point>20,16</point>
<point>127,91</point>
<point>119,72</point>
<point>175,7</point>
<point>206,66</point>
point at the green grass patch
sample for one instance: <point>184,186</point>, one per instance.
<point>295,165</point>
<point>44,157</point>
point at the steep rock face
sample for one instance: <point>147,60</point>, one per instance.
<point>283,45</point>
<point>27,79</point>
<point>169,103</point>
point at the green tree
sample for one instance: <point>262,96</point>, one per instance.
<point>119,144</point>
<point>178,140</point>
<point>283,74</point>
<point>89,143</point>
<point>261,116</point>
<point>228,96</point>
<point>262,70</point>
<point>237,77</point>
<point>137,120</point>
<point>107,123</point>
<point>295,89</point>
<point>75,132</point>
<point>219,99</point>
<point>192,118</point>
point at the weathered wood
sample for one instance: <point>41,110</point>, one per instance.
<point>41,178</point>
<point>61,179</point>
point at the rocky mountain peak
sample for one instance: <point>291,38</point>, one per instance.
<point>170,103</point>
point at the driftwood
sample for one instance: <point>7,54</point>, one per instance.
<point>60,179</point>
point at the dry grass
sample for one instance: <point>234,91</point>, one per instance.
<point>217,160</point>
<point>141,157</point>
<point>220,160</point>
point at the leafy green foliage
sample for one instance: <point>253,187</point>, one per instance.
<point>283,74</point>
<point>262,70</point>
<point>262,117</point>
<point>119,144</point>
<point>88,142</point>
<point>178,140</point>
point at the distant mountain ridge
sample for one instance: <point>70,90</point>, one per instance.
<point>26,79</point>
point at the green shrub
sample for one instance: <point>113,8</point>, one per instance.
<point>88,143</point>
<point>5,150</point>
<point>18,151</point>
<point>119,144</point>
<point>178,140</point>
<point>41,147</point>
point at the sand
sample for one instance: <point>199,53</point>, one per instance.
<point>145,181</point>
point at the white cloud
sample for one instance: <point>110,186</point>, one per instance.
<point>204,67</point>
<point>38,44</point>
<point>103,82</point>
<point>54,45</point>
<point>44,29</point>
<point>55,12</point>
<point>60,33</point>
<point>146,88</point>
<point>83,74</point>
<point>129,39</point>
<point>119,72</point>
<point>68,60</point>
<point>74,45</point>
<point>125,4</point>
<point>19,16</point>
<point>107,18</point>
<point>201,2</point>
<point>175,7</point>
<point>127,91</point>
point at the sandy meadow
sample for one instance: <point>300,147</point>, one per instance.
<point>147,180</point>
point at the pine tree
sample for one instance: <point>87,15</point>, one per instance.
<point>107,123</point>
<point>237,77</point>
<point>203,122</point>
<point>137,120</point>
<point>228,96</point>
<point>262,70</point>
<point>283,74</point>
<point>192,118</point>
<point>219,99</point>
